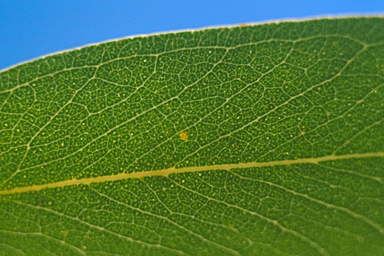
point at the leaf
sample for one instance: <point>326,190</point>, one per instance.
<point>250,140</point>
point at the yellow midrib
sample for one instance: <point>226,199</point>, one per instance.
<point>173,170</point>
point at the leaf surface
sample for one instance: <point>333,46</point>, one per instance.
<point>250,140</point>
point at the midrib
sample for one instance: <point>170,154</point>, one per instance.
<point>173,170</point>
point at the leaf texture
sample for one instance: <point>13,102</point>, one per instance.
<point>250,140</point>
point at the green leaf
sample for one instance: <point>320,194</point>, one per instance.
<point>250,140</point>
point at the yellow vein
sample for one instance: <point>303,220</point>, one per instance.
<point>174,170</point>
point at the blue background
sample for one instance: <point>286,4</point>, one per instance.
<point>29,29</point>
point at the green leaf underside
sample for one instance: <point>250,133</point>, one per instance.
<point>264,140</point>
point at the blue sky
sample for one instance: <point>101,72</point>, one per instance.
<point>29,29</point>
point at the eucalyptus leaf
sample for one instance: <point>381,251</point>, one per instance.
<point>245,140</point>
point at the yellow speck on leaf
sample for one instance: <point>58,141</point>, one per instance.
<point>183,136</point>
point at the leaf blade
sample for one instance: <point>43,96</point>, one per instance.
<point>264,139</point>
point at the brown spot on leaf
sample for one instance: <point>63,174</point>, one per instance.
<point>183,136</point>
